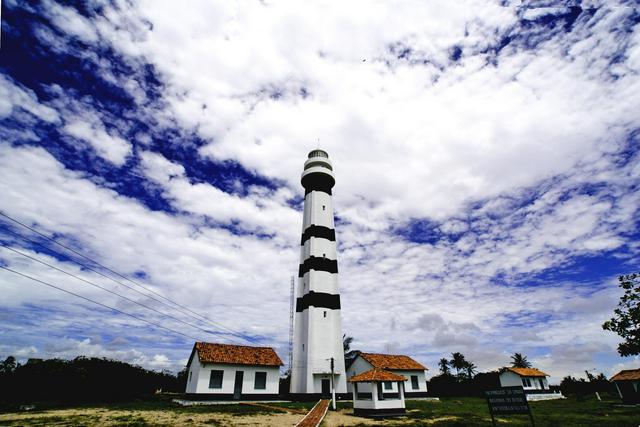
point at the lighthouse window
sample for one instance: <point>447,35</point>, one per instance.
<point>324,313</point>
<point>320,164</point>
<point>323,206</point>
<point>302,347</point>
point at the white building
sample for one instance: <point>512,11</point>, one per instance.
<point>317,340</point>
<point>415,373</point>
<point>628,385</point>
<point>528,378</point>
<point>533,381</point>
<point>224,371</point>
<point>377,403</point>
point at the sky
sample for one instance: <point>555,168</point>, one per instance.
<point>486,160</point>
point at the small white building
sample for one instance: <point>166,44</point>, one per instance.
<point>415,374</point>
<point>628,385</point>
<point>378,404</point>
<point>226,372</point>
<point>533,381</point>
<point>528,378</point>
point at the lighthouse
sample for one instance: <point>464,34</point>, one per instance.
<point>318,358</point>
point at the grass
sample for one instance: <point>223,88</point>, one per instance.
<point>473,412</point>
<point>448,412</point>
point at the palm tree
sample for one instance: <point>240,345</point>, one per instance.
<point>349,354</point>
<point>470,367</point>
<point>458,361</point>
<point>346,342</point>
<point>444,366</point>
<point>520,361</point>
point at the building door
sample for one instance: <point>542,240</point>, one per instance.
<point>237,387</point>
<point>326,387</point>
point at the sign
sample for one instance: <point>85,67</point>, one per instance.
<point>507,400</point>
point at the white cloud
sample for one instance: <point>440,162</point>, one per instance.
<point>110,147</point>
<point>13,97</point>
<point>491,149</point>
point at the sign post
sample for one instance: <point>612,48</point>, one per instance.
<point>508,400</point>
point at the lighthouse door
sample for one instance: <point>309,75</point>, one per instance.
<point>326,387</point>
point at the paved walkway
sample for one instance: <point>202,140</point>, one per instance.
<point>315,415</point>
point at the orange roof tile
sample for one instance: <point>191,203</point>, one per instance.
<point>392,361</point>
<point>235,354</point>
<point>526,372</point>
<point>376,375</point>
<point>627,374</point>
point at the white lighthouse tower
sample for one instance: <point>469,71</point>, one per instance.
<point>318,357</point>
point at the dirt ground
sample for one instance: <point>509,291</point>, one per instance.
<point>345,417</point>
<point>105,417</point>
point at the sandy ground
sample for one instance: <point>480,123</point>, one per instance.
<point>345,417</point>
<point>105,417</point>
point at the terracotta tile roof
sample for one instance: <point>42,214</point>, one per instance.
<point>235,354</point>
<point>376,375</point>
<point>392,361</point>
<point>627,374</point>
<point>526,372</point>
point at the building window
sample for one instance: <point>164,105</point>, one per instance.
<point>526,382</point>
<point>215,381</point>
<point>541,383</point>
<point>324,313</point>
<point>260,382</point>
<point>387,385</point>
<point>414,382</point>
<point>190,372</point>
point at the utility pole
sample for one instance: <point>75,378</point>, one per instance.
<point>333,388</point>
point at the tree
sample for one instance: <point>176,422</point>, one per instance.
<point>8,366</point>
<point>349,355</point>
<point>458,362</point>
<point>520,361</point>
<point>445,369</point>
<point>470,367</point>
<point>626,321</point>
<point>346,342</point>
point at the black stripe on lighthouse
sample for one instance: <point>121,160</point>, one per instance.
<point>318,181</point>
<point>318,264</point>
<point>320,232</point>
<point>318,300</point>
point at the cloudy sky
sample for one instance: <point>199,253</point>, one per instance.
<point>486,157</point>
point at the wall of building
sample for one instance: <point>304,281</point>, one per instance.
<point>360,365</point>
<point>201,374</point>
<point>511,379</point>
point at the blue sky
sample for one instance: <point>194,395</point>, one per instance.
<point>486,157</point>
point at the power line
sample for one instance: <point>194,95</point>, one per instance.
<point>98,272</point>
<point>199,316</point>
<point>97,263</point>
<point>113,292</point>
<point>123,284</point>
<point>96,302</point>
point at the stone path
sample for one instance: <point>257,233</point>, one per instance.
<point>315,415</point>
